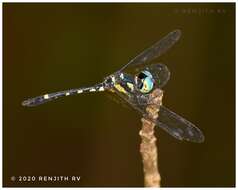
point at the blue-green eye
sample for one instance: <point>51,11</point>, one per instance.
<point>147,85</point>
<point>144,81</point>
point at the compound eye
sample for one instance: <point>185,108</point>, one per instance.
<point>142,75</point>
<point>144,81</point>
<point>147,86</point>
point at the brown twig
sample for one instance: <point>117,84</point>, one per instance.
<point>148,147</point>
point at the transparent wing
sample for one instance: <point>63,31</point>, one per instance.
<point>179,127</point>
<point>155,50</point>
<point>161,74</point>
<point>114,97</point>
<point>169,121</point>
<point>131,100</point>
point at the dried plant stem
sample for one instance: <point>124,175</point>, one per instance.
<point>148,146</point>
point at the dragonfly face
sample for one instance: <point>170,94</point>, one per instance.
<point>142,83</point>
<point>135,89</point>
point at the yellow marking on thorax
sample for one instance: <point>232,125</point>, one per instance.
<point>120,88</point>
<point>111,90</point>
<point>130,85</point>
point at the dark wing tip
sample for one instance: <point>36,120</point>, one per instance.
<point>178,30</point>
<point>196,136</point>
<point>177,34</point>
<point>201,139</point>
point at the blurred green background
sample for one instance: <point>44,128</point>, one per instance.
<point>52,47</point>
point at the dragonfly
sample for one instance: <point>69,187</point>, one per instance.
<point>135,87</point>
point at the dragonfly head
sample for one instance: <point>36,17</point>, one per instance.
<point>144,81</point>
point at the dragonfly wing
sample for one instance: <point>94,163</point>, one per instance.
<point>169,121</point>
<point>155,50</point>
<point>118,99</point>
<point>131,100</point>
<point>161,74</point>
<point>178,127</point>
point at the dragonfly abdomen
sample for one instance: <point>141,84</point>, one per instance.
<point>52,96</point>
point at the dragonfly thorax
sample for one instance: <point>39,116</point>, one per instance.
<point>144,81</point>
<point>110,81</point>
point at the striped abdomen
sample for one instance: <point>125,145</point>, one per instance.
<point>49,97</point>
